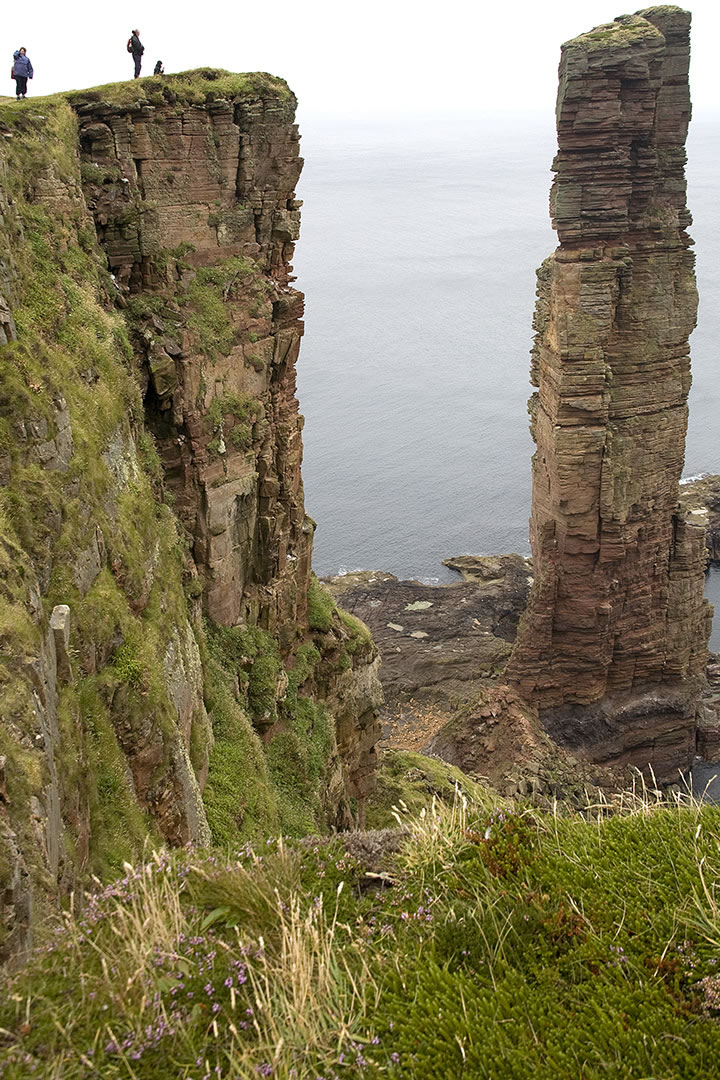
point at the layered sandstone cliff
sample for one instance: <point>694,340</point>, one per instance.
<point>195,207</point>
<point>615,634</point>
<point>169,669</point>
<point>177,189</point>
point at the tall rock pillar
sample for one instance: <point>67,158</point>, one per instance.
<point>614,639</point>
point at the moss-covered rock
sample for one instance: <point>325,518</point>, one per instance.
<point>96,767</point>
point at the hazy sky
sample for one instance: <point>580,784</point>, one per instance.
<point>376,56</point>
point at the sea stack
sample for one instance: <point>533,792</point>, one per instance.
<point>613,645</point>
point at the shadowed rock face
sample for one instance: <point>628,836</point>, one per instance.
<point>616,627</point>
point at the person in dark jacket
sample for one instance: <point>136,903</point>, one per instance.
<point>137,49</point>
<point>159,69</point>
<point>22,70</point>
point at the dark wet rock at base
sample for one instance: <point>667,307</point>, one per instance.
<point>444,696</point>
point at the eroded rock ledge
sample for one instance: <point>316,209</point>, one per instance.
<point>613,646</point>
<point>700,500</point>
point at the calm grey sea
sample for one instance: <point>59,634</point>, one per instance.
<point>419,246</point>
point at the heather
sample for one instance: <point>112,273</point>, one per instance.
<point>472,939</point>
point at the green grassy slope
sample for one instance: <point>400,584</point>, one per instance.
<point>492,944</point>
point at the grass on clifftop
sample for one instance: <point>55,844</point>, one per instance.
<point>619,34</point>
<point>200,86</point>
<point>196,87</point>
<point>488,943</point>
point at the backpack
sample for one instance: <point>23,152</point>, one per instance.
<point>129,45</point>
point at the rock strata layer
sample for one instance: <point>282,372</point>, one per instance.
<point>613,643</point>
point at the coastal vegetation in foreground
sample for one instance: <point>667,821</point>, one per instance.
<point>470,940</point>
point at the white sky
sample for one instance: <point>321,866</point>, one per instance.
<point>379,56</point>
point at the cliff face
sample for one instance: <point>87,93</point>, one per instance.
<point>177,189</point>
<point>616,628</point>
<point>150,453</point>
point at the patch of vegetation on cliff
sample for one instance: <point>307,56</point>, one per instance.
<point>119,829</point>
<point>206,298</point>
<point>239,797</point>
<point>256,784</point>
<point>623,32</point>
<point>343,637</point>
<point>240,417</point>
<point>494,943</point>
<point>195,87</point>
<point>78,512</point>
<point>301,759</point>
<point>321,606</point>
<point>359,634</point>
<point>409,783</point>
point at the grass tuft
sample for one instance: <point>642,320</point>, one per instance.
<point>469,941</point>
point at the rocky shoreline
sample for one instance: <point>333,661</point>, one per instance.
<point>444,650</point>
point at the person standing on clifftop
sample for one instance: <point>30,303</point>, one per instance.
<point>22,70</point>
<point>136,47</point>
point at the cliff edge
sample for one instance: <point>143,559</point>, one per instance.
<point>170,670</point>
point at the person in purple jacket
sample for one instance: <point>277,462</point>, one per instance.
<point>22,70</point>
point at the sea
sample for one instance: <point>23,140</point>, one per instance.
<point>420,240</point>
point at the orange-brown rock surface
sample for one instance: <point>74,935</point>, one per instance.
<point>194,205</point>
<point>614,639</point>
<point>196,210</point>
